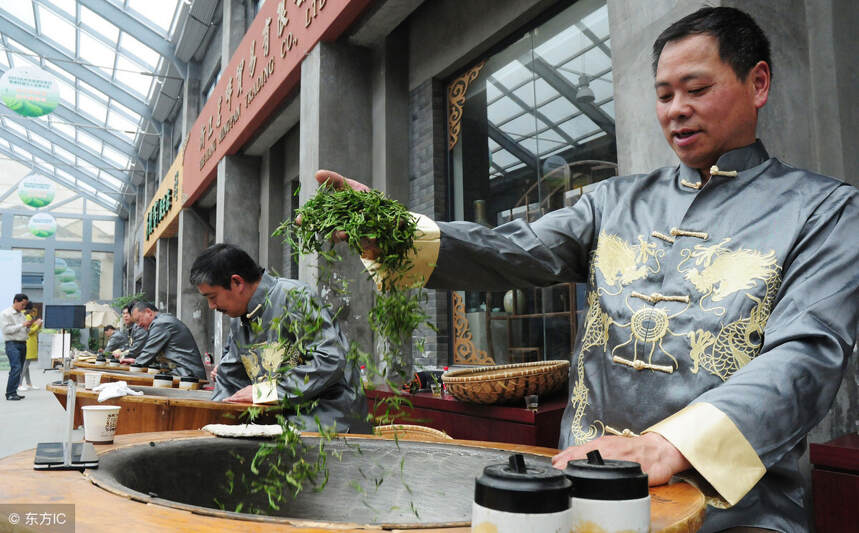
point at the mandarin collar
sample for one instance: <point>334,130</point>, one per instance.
<point>257,301</point>
<point>737,160</point>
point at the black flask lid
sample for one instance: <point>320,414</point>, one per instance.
<point>519,488</point>
<point>596,478</point>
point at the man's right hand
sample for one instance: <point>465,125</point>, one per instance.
<point>28,323</point>
<point>370,249</point>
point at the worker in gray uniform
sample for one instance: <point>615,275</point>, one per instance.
<point>136,335</point>
<point>168,342</point>
<point>116,339</point>
<point>722,293</point>
<point>262,360</point>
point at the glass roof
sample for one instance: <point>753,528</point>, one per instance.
<point>107,77</point>
<point>521,96</point>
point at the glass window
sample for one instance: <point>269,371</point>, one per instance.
<point>67,276</point>
<point>72,207</point>
<point>70,229</point>
<point>103,231</point>
<point>93,208</point>
<point>20,230</point>
<point>101,272</point>
<point>32,259</point>
<point>529,129</point>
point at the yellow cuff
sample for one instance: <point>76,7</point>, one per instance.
<point>427,243</point>
<point>715,447</point>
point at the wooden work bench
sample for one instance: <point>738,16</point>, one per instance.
<point>156,412</point>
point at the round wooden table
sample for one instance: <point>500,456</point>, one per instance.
<point>677,508</point>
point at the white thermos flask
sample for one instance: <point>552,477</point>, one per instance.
<point>608,495</point>
<point>520,498</point>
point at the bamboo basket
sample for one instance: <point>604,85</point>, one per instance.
<point>410,432</point>
<point>506,383</point>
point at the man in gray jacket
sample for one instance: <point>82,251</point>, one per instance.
<point>116,340</point>
<point>722,292</point>
<point>136,334</point>
<point>168,341</point>
<point>283,344</point>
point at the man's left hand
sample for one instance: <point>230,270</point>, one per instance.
<point>244,395</point>
<point>658,458</point>
<point>127,360</point>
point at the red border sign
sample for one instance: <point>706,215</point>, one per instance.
<point>262,72</point>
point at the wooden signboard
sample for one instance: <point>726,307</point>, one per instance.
<point>264,69</point>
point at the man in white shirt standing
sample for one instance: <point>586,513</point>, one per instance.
<point>15,326</point>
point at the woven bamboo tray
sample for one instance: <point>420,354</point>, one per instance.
<point>410,432</point>
<point>506,383</point>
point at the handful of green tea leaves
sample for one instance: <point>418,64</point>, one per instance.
<point>362,215</point>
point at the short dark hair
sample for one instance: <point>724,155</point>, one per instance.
<point>129,307</point>
<point>109,328</point>
<point>142,306</point>
<point>19,297</point>
<point>742,43</point>
<point>219,262</point>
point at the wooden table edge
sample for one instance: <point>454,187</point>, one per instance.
<point>78,484</point>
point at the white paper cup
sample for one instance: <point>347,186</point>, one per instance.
<point>92,379</point>
<point>100,423</point>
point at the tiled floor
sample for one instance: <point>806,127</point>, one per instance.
<point>37,418</point>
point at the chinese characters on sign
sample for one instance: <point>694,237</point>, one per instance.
<point>255,82</point>
<point>158,211</point>
<point>162,214</point>
<point>262,72</point>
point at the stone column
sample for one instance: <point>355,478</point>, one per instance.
<point>130,258</point>
<point>390,109</point>
<point>291,186</point>
<point>428,194</point>
<point>191,308</point>
<point>148,279</point>
<point>237,216</point>
<point>190,99</point>
<point>165,150</point>
<point>148,266</point>
<point>272,208</point>
<point>238,202</point>
<point>233,26</point>
<point>335,90</point>
<point>149,187</point>
<point>165,274</point>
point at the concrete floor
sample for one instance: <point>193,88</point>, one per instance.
<point>37,418</point>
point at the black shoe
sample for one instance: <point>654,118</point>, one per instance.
<point>14,397</point>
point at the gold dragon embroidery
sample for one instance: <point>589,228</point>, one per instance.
<point>620,263</point>
<point>597,323</point>
<point>724,272</point>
